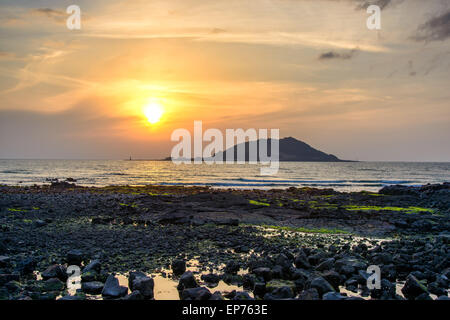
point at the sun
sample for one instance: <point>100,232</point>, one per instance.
<point>153,111</point>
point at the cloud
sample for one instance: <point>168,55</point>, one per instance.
<point>330,55</point>
<point>363,4</point>
<point>56,15</point>
<point>435,29</point>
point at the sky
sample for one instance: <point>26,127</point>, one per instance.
<point>310,68</point>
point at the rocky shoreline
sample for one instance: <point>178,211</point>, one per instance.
<point>210,244</point>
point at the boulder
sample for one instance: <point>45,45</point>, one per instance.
<point>112,288</point>
<point>145,286</point>
<point>309,294</point>
<point>93,287</point>
<point>135,295</point>
<point>187,281</point>
<point>55,271</point>
<point>232,267</point>
<point>94,265</point>
<point>178,267</point>
<point>200,293</point>
<point>53,284</point>
<point>74,257</point>
<point>413,288</point>
<point>210,278</point>
<point>321,285</point>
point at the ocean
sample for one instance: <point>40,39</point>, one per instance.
<point>341,176</point>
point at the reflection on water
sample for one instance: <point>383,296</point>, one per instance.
<point>343,176</point>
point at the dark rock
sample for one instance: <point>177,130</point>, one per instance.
<point>55,271</point>
<point>325,265</point>
<point>200,293</point>
<point>423,296</point>
<point>71,298</point>
<point>264,273</point>
<point>93,287</point>
<point>26,266</point>
<point>413,288</point>
<point>301,261</point>
<point>242,295</point>
<point>216,296</point>
<point>333,296</point>
<point>386,292</point>
<point>74,257</point>
<point>39,223</point>
<point>210,278</point>
<point>232,267</point>
<point>94,265</point>
<point>53,284</point>
<point>135,295</point>
<point>333,278</point>
<point>5,261</point>
<point>309,294</point>
<point>280,293</point>
<point>112,288</point>
<point>145,286</point>
<point>259,289</point>
<point>321,285</point>
<point>187,281</point>
<point>13,286</point>
<point>133,275</point>
<point>178,267</point>
<point>248,281</point>
<point>6,277</point>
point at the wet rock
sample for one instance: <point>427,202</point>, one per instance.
<point>333,278</point>
<point>228,222</point>
<point>94,265</point>
<point>187,281</point>
<point>26,266</point>
<point>5,261</point>
<point>178,267</point>
<point>242,295</point>
<point>39,223</point>
<point>386,292</point>
<point>248,281</point>
<point>423,296</point>
<point>112,288</point>
<point>72,298</point>
<point>74,257</point>
<point>301,261</point>
<point>135,295</point>
<point>200,293</point>
<point>321,285</point>
<point>210,278</point>
<point>4,294</point>
<point>53,284</point>
<point>132,276</point>
<point>325,265</point>
<point>13,286</point>
<point>280,293</point>
<point>309,294</point>
<point>55,271</point>
<point>93,287</point>
<point>145,286</point>
<point>259,290</point>
<point>276,284</point>
<point>333,296</point>
<point>413,288</point>
<point>264,273</point>
<point>216,296</point>
<point>6,277</point>
<point>232,267</point>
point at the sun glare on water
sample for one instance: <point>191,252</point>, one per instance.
<point>153,111</point>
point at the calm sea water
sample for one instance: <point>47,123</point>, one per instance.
<point>345,176</point>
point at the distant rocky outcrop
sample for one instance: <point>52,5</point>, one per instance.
<point>291,149</point>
